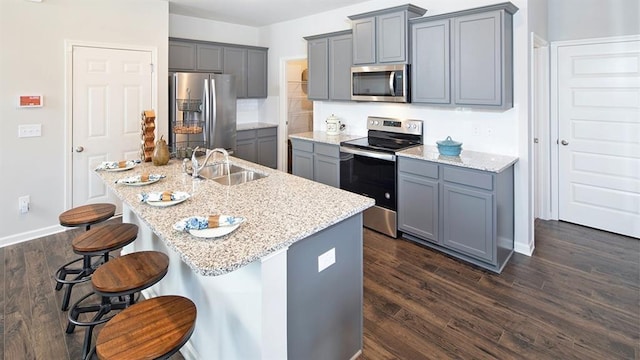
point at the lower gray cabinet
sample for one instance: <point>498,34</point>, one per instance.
<point>463,212</point>
<point>259,146</point>
<point>316,161</point>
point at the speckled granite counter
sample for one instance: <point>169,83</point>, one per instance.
<point>280,209</point>
<point>469,159</point>
<point>254,125</point>
<point>321,136</point>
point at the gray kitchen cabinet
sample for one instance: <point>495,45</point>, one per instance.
<point>257,67</point>
<point>430,64</point>
<point>464,58</point>
<point>209,57</point>
<point>259,146</point>
<point>466,213</point>
<point>247,63</point>
<point>316,161</point>
<point>182,56</point>
<point>381,37</point>
<point>418,191</point>
<point>235,63</point>
<point>329,61</point>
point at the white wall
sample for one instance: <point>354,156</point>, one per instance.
<point>502,132</point>
<point>585,19</point>
<point>32,38</point>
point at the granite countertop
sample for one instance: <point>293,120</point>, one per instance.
<point>254,125</point>
<point>321,136</point>
<point>280,209</point>
<point>469,159</point>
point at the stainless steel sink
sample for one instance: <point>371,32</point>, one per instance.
<point>236,178</point>
<point>217,170</point>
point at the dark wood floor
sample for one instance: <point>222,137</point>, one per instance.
<point>577,297</point>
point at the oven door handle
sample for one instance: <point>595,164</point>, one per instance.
<point>371,154</point>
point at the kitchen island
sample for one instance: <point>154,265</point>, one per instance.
<point>286,284</point>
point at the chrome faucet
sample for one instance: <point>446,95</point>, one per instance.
<point>194,161</point>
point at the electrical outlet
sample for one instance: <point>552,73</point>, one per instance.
<point>327,259</point>
<point>23,204</point>
<point>476,131</point>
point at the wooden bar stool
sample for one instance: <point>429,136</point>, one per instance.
<point>87,215</point>
<point>98,241</point>
<point>118,279</point>
<point>151,329</point>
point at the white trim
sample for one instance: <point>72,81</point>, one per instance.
<point>553,114</point>
<point>524,249</point>
<point>31,235</point>
<point>68,108</point>
<point>284,109</point>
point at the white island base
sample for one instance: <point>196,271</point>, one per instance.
<point>283,306</point>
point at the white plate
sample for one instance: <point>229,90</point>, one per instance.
<point>166,203</point>
<point>128,167</point>
<point>214,232</point>
<point>140,183</point>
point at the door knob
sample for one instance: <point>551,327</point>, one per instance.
<point>564,142</point>
<point>79,149</point>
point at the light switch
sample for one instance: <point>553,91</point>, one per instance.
<point>327,259</point>
<point>30,130</point>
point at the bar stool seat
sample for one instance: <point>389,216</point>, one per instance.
<point>87,215</point>
<point>94,242</point>
<point>119,278</point>
<point>151,329</point>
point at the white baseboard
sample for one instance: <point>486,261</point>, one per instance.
<point>525,249</point>
<point>30,235</point>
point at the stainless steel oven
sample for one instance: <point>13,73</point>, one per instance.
<point>368,167</point>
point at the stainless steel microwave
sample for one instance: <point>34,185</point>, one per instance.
<point>386,83</point>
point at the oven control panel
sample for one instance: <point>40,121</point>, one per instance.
<point>403,126</point>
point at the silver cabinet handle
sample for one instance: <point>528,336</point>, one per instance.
<point>79,149</point>
<point>564,142</point>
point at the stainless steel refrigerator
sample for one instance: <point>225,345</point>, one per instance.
<point>202,110</point>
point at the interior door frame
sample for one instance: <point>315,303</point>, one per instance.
<point>555,124</point>
<point>283,132</point>
<point>69,45</point>
<point>539,100</point>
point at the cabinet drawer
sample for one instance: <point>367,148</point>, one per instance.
<point>272,131</point>
<point>328,150</point>
<point>302,145</point>
<point>246,135</point>
<point>468,177</point>
<point>418,167</point>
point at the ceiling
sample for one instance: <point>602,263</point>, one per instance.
<point>254,12</point>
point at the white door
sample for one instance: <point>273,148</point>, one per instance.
<point>599,135</point>
<point>111,88</point>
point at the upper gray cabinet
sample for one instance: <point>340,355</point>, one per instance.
<point>464,58</point>
<point>329,61</point>
<point>381,36</point>
<point>247,63</point>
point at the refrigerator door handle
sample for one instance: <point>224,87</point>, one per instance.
<point>214,113</point>
<point>206,100</point>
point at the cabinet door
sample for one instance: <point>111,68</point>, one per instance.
<point>182,56</point>
<point>268,151</point>
<point>468,221</point>
<point>256,73</point>
<point>302,164</point>
<point>340,53</point>
<point>318,59</point>
<point>235,63</point>
<point>418,206</point>
<point>209,58</point>
<point>430,64</point>
<point>246,145</point>
<point>391,36</point>
<point>326,170</point>
<point>364,41</point>
<point>477,59</point>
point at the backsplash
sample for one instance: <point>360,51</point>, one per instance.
<point>478,130</point>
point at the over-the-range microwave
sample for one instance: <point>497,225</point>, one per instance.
<point>387,83</point>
